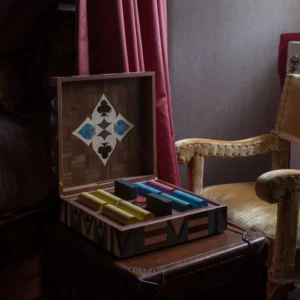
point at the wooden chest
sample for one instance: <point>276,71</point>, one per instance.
<point>105,131</point>
<point>223,266</point>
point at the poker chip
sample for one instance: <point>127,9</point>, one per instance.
<point>140,201</point>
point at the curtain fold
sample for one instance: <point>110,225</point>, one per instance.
<point>82,36</point>
<point>131,36</point>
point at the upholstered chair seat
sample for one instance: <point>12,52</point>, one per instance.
<point>246,210</point>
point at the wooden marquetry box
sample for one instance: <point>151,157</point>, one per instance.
<point>104,129</point>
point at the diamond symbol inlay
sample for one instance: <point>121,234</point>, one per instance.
<point>104,134</point>
<point>104,124</point>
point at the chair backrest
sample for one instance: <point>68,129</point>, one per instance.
<point>287,124</point>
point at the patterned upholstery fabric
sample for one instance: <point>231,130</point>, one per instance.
<point>36,43</point>
<point>13,88</point>
<point>24,164</point>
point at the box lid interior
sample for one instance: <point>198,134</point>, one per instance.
<point>106,128</point>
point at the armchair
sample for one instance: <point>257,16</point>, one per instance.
<point>246,209</point>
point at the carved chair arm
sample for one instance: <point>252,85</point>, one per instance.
<point>188,148</point>
<point>192,152</point>
<point>272,186</point>
<point>282,187</point>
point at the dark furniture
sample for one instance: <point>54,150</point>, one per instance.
<point>231,265</point>
<point>21,238</point>
<point>36,42</point>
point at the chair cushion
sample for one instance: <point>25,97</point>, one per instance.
<point>245,209</point>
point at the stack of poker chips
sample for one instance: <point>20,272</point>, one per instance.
<point>160,200</point>
<point>139,213</point>
<point>91,201</point>
<point>167,191</point>
<point>159,205</point>
<point>160,197</point>
<point>128,191</point>
<point>125,190</point>
<point>114,207</point>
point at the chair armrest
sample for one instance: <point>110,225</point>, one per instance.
<point>273,186</point>
<point>188,148</point>
<point>282,187</point>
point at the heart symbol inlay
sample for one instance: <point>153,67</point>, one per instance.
<point>87,131</point>
<point>121,127</point>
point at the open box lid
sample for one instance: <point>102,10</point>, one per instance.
<point>106,129</point>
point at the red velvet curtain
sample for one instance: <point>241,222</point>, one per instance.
<point>283,50</point>
<point>131,36</point>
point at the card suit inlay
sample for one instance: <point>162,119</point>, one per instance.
<point>104,150</point>
<point>87,131</point>
<point>104,130</point>
<point>104,124</point>
<point>104,134</point>
<point>104,108</point>
<point>121,127</point>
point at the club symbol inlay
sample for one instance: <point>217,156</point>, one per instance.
<point>104,108</point>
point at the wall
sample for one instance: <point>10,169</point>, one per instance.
<point>223,72</point>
